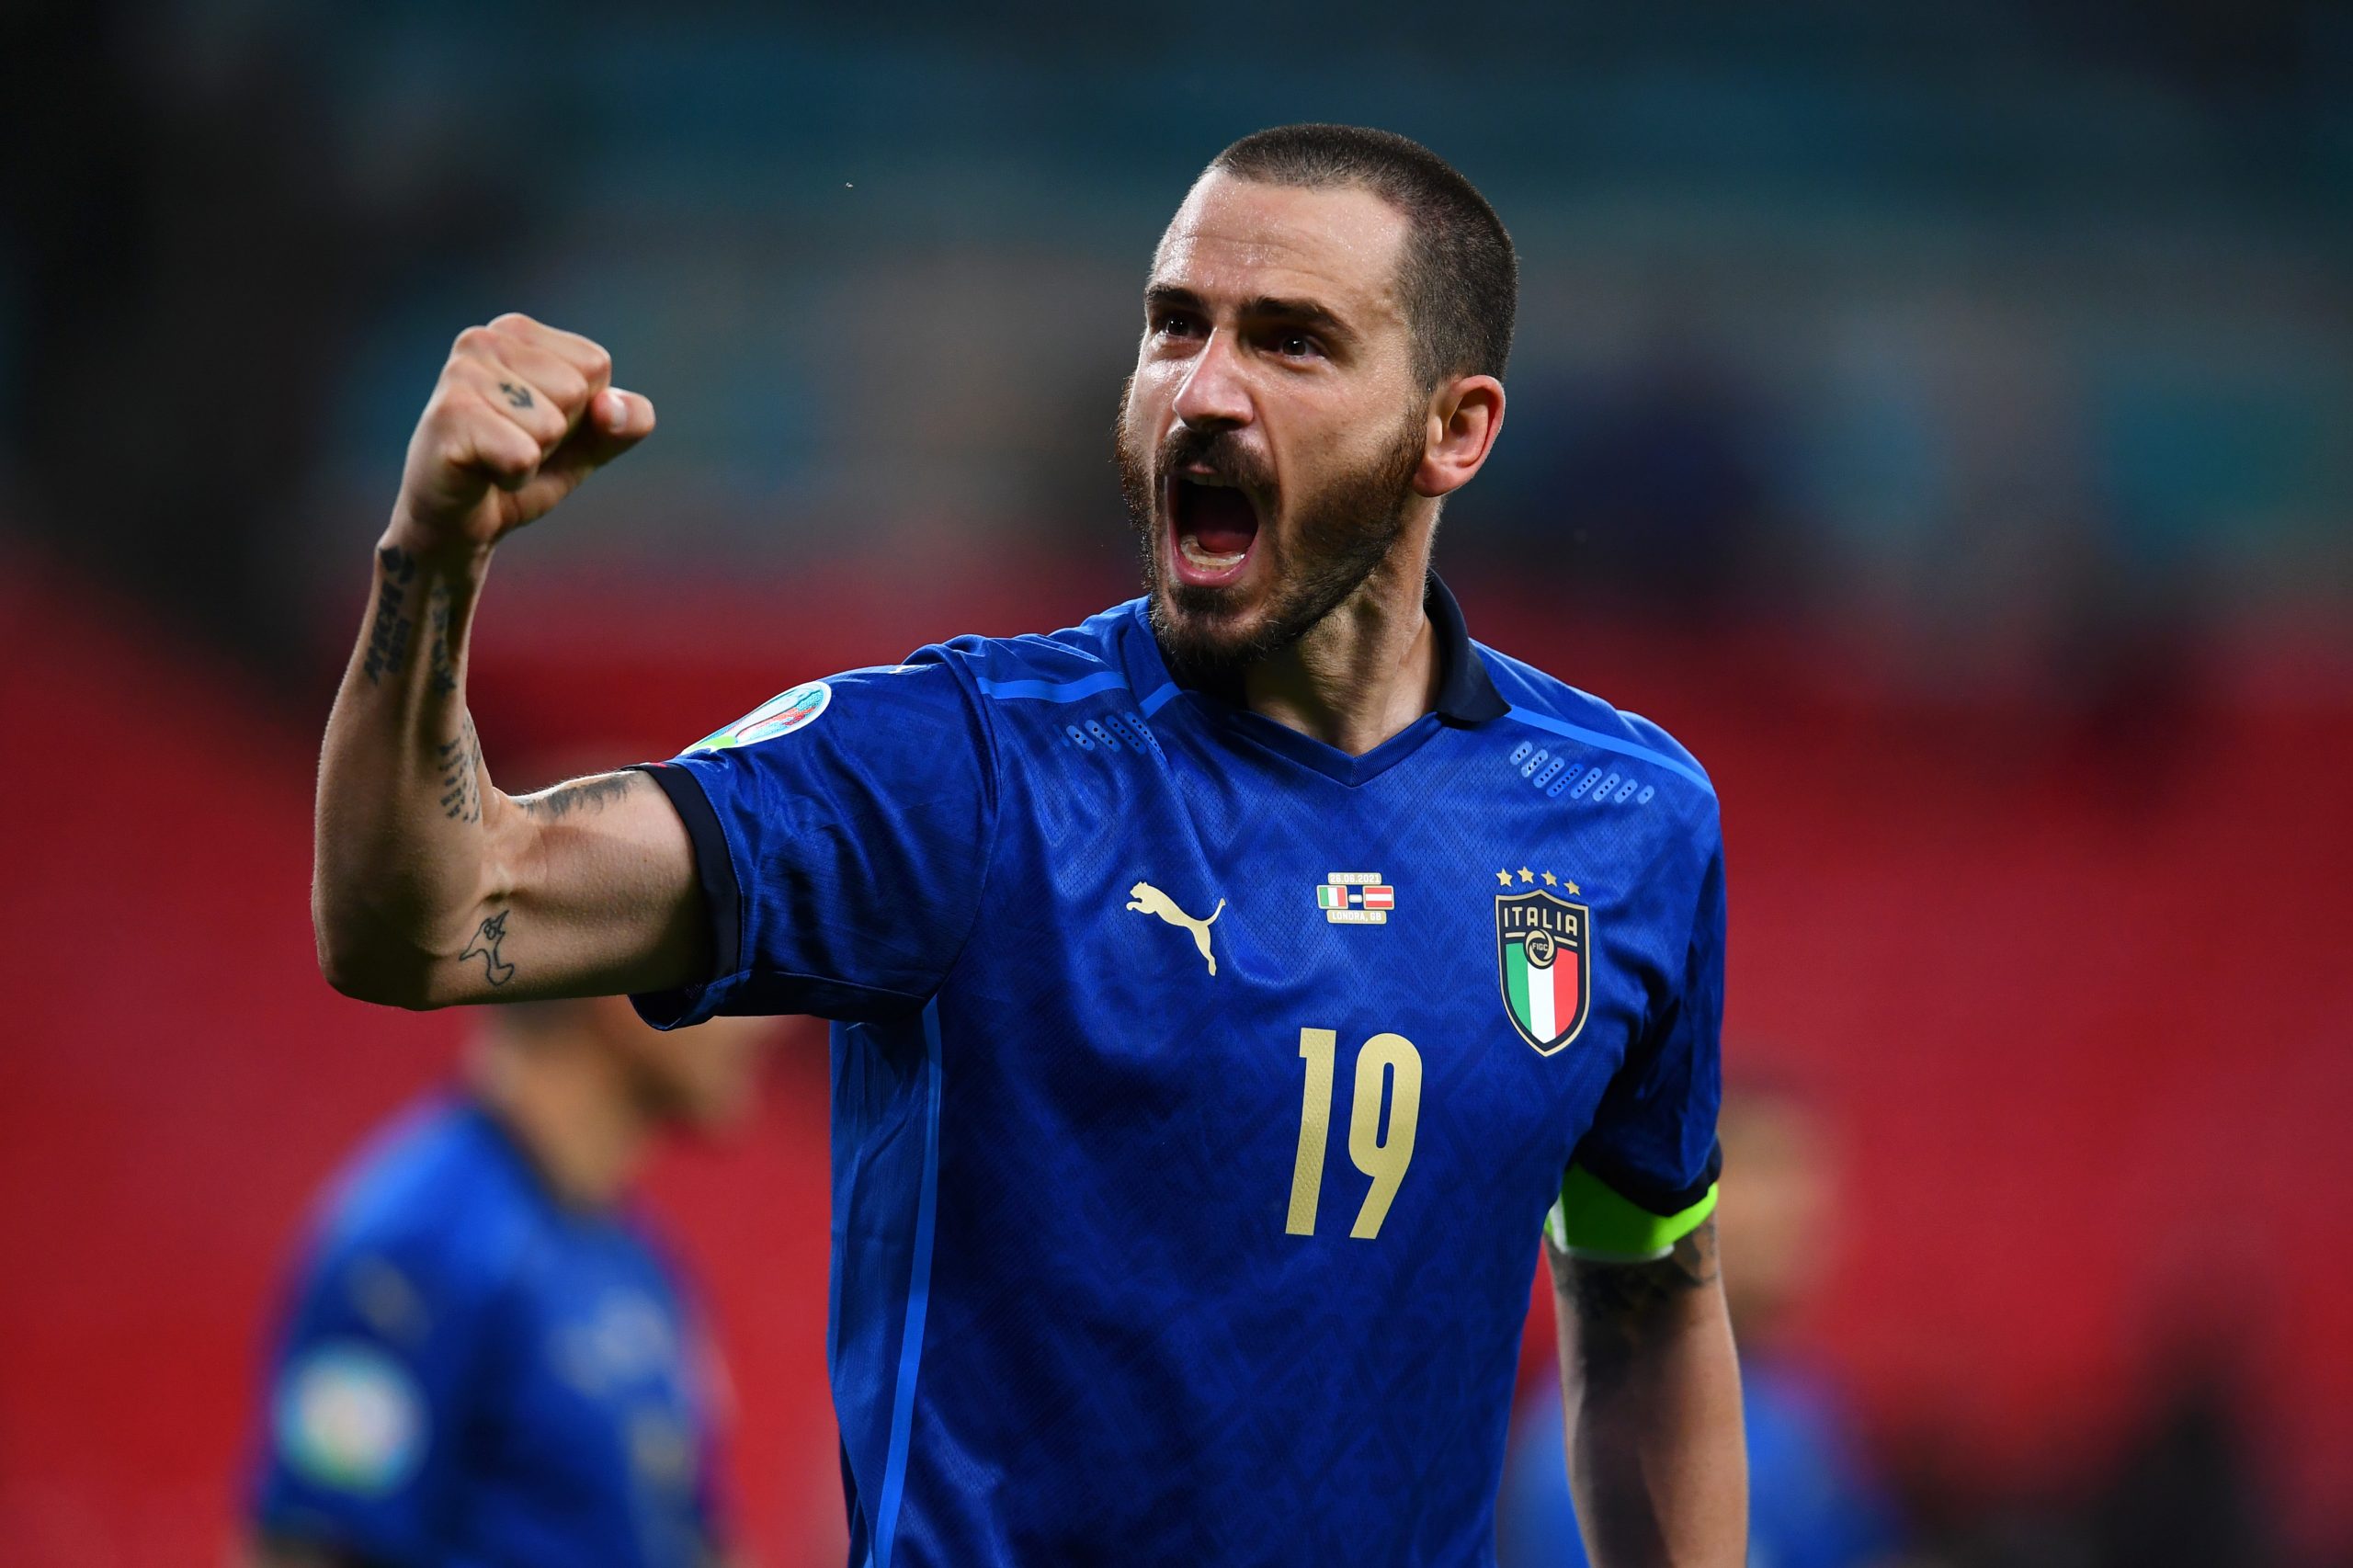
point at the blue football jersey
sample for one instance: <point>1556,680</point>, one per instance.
<point>1199,1091</point>
<point>471,1373</point>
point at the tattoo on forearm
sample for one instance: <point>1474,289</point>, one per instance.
<point>1617,1303</point>
<point>484,946</point>
<point>1614,1290</point>
<point>516,397</point>
<point>580,794</point>
<point>441,672</point>
<point>461,763</point>
<point>387,637</point>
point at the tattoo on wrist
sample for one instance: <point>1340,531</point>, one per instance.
<point>388,636</point>
<point>441,672</point>
<point>461,763</point>
<point>580,794</point>
<point>516,397</point>
<point>484,946</point>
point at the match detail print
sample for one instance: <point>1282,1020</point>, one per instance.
<point>1356,898</point>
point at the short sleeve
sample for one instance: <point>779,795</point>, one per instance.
<point>842,833</point>
<point>1644,1174</point>
<point>365,1409</point>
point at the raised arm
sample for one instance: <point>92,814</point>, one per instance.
<point>1652,1392</point>
<point>429,886</point>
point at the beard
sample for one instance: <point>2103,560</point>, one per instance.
<point>1339,535</point>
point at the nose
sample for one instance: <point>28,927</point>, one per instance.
<point>1214,395</point>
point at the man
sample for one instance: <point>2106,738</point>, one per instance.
<point>484,1360</point>
<point>1223,986</point>
<point>1814,1501</point>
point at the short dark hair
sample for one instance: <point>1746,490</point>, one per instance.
<point>1459,275</point>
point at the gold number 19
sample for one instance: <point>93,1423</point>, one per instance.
<point>1386,1062</point>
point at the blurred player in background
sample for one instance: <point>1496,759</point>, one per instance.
<point>1813,1500</point>
<point>1226,988</point>
<point>485,1357</point>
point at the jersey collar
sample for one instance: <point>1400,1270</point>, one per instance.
<point>1466,693</point>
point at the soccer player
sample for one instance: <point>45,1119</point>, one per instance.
<point>1225,988</point>
<point>484,1359</point>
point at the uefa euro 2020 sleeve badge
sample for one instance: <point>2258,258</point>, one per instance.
<point>1543,959</point>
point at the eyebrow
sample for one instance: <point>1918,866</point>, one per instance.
<point>1306,313</point>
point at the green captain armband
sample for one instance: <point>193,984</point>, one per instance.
<point>1592,1222</point>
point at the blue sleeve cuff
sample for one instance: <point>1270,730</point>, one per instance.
<point>722,899</point>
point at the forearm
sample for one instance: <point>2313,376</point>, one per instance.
<point>429,886</point>
<point>1652,1386</point>
<point>405,813</point>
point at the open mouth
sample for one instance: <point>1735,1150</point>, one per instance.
<point>1211,526</point>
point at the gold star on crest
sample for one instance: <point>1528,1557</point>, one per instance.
<point>1551,881</point>
<point>1526,875</point>
<point>1504,878</point>
<point>1574,888</point>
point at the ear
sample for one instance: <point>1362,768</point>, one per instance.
<point>1466,415</point>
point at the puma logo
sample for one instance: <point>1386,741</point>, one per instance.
<point>1145,899</point>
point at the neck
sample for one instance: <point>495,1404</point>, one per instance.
<point>569,1106</point>
<point>1365,671</point>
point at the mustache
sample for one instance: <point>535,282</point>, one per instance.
<point>1222,452</point>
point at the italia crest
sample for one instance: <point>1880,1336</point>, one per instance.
<point>1544,964</point>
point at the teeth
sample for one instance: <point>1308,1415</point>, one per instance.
<point>1202,558</point>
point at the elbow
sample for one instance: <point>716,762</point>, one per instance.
<point>366,982</point>
<point>362,964</point>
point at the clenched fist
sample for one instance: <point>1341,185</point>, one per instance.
<point>521,415</point>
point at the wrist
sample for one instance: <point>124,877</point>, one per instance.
<point>433,548</point>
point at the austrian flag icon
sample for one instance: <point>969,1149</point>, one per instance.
<point>1356,898</point>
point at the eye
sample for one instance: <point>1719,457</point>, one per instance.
<point>1173,324</point>
<point>1297,346</point>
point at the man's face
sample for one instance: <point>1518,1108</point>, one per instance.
<point>1270,436</point>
